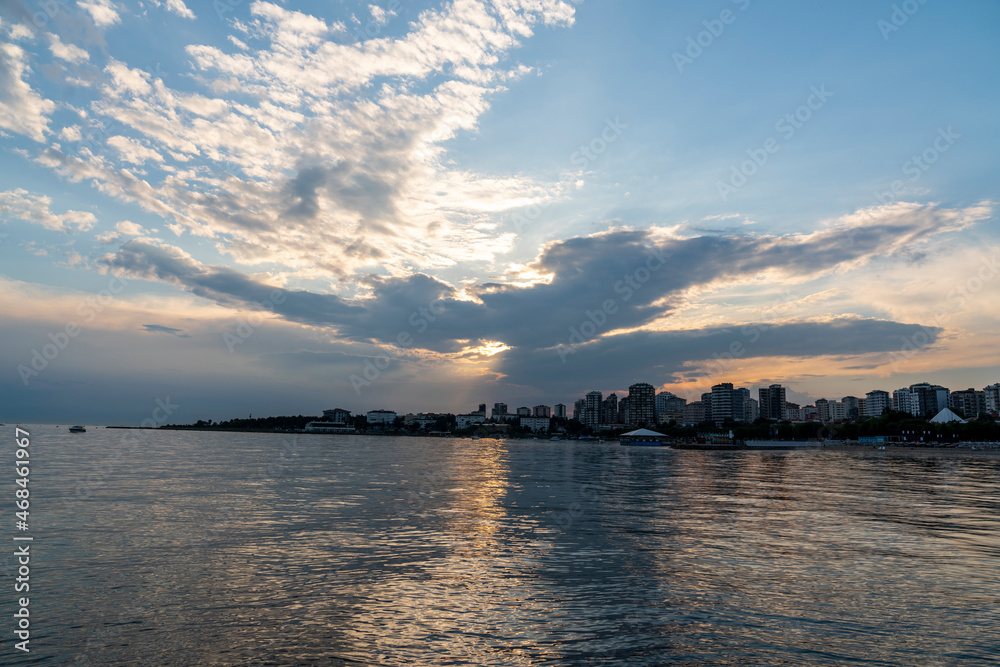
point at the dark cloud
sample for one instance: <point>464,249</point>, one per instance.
<point>159,328</point>
<point>611,281</point>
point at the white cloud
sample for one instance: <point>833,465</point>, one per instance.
<point>68,52</point>
<point>20,204</point>
<point>129,228</point>
<point>132,151</point>
<point>307,142</point>
<point>104,12</point>
<point>178,7</point>
<point>22,110</point>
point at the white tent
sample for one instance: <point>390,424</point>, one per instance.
<point>946,416</point>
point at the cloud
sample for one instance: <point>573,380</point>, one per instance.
<point>20,204</point>
<point>622,281</point>
<point>159,328</point>
<point>104,12</point>
<point>302,141</point>
<point>22,110</point>
<point>68,52</point>
<point>178,7</point>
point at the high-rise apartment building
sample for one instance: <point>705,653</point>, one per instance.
<point>560,411</point>
<point>592,411</point>
<point>876,402</point>
<point>609,409</point>
<point>992,397</point>
<point>852,406</point>
<point>772,402</point>
<point>542,411</point>
<point>641,404</point>
<point>969,402</point>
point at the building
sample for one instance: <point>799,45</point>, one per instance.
<point>969,402</point>
<point>524,412</point>
<point>609,409</point>
<point>706,401</point>
<point>823,409</point>
<point>542,411</point>
<point>328,427</point>
<point>500,414</point>
<point>536,424</point>
<point>933,398</point>
<point>809,413</point>
<point>837,411</point>
<point>852,406</point>
<point>337,416</point>
<point>727,403</point>
<point>669,407</point>
<point>792,411</point>
<point>772,402</point>
<point>904,400</point>
<point>592,409</point>
<point>423,420</point>
<point>992,398</point>
<point>693,414</point>
<point>471,419</point>
<point>482,409</point>
<point>381,417</point>
<point>641,404</point>
<point>579,407</point>
<point>877,402</point>
<point>560,411</point>
<point>751,410</point>
<point>623,413</point>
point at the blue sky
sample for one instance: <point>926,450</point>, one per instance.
<point>273,208</point>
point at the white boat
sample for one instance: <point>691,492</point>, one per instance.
<point>77,429</point>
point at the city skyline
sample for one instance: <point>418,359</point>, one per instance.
<point>255,207</point>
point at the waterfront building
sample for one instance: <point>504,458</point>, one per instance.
<point>641,404</point>
<point>499,413</point>
<point>751,410</point>
<point>823,410</point>
<point>542,411</point>
<point>877,402</point>
<point>970,402</point>
<point>560,411</point>
<point>727,402</point>
<point>852,406</point>
<point>992,398</point>
<point>536,424</point>
<point>792,411</point>
<point>609,409</point>
<point>579,407</point>
<point>905,400</point>
<point>693,414</point>
<point>772,402</point>
<point>471,419</point>
<point>669,407</point>
<point>706,401</point>
<point>837,411</point>
<point>524,412</point>
<point>932,397</point>
<point>592,409</point>
<point>337,416</point>
<point>381,417</point>
<point>623,412</point>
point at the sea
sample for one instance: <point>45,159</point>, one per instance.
<point>165,547</point>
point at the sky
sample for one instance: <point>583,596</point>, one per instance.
<point>214,210</point>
